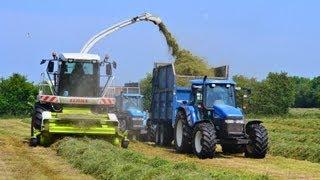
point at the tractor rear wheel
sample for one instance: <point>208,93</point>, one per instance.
<point>204,140</point>
<point>182,133</point>
<point>258,146</point>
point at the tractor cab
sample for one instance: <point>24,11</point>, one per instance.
<point>215,101</point>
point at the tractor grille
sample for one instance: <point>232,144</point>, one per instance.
<point>137,123</point>
<point>234,128</point>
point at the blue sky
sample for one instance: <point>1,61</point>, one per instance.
<point>253,37</point>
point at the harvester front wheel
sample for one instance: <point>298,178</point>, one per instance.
<point>34,142</point>
<point>182,133</point>
<point>258,146</point>
<point>37,116</point>
<point>204,140</point>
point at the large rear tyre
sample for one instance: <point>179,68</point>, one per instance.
<point>204,140</point>
<point>258,146</point>
<point>182,134</point>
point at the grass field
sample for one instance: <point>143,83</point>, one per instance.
<point>296,135</point>
<point>292,138</point>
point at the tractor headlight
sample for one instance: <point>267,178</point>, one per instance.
<point>230,121</point>
<point>137,119</point>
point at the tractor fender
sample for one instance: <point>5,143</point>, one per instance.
<point>255,121</point>
<point>190,113</point>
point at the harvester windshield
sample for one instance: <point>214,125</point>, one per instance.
<point>79,78</point>
<point>220,94</point>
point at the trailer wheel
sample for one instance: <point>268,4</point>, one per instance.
<point>204,140</point>
<point>124,143</point>
<point>151,131</point>
<point>231,148</point>
<point>258,146</point>
<point>165,134</point>
<point>182,133</point>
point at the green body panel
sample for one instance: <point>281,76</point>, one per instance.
<point>80,121</point>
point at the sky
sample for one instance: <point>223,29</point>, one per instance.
<point>253,37</point>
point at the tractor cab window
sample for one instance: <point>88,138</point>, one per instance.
<point>196,96</point>
<point>220,94</point>
<point>132,102</point>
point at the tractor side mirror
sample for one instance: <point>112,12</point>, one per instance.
<point>50,67</point>
<point>109,69</point>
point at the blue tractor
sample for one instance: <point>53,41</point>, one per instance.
<point>202,115</point>
<point>132,118</point>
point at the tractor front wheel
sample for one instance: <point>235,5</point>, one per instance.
<point>204,140</point>
<point>258,146</point>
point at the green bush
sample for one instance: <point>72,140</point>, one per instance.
<point>17,96</point>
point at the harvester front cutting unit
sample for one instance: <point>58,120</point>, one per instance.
<point>70,101</point>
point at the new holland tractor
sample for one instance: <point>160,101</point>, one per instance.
<point>132,117</point>
<point>202,115</point>
<point>70,101</point>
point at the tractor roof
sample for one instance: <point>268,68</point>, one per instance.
<point>212,81</point>
<point>132,95</point>
<point>79,56</point>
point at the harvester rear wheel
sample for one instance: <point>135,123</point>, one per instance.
<point>182,133</point>
<point>204,140</point>
<point>258,146</point>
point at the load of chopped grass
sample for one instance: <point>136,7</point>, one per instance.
<point>185,62</point>
<point>105,161</point>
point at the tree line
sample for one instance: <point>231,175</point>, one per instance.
<point>272,96</point>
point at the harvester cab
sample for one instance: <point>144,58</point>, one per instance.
<point>70,100</point>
